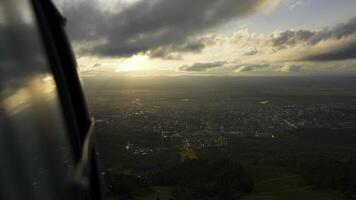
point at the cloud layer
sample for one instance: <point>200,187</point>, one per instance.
<point>199,67</point>
<point>183,34</point>
<point>251,67</point>
<point>337,43</point>
<point>159,27</point>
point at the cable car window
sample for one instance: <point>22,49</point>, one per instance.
<point>34,149</point>
<point>63,63</point>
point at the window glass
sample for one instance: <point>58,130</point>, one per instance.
<point>34,149</point>
<point>220,99</point>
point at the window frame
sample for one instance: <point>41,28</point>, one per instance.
<point>86,181</point>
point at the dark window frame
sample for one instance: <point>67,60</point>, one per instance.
<point>80,126</point>
<point>63,66</point>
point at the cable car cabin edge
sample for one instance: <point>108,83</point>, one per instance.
<point>47,148</point>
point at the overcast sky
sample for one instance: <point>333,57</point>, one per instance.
<point>213,37</point>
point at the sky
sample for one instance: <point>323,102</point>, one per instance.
<point>213,37</point>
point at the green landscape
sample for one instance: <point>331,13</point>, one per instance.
<point>161,140</point>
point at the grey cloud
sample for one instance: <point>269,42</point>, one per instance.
<point>292,38</point>
<point>250,67</point>
<point>96,65</point>
<point>332,51</point>
<point>291,68</point>
<point>347,51</point>
<point>174,51</point>
<point>157,25</point>
<point>251,53</point>
<point>245,69</point>
<point>199,67</point>
<point>338,32</point>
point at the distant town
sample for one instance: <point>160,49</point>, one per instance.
<point>284,137</point>
<point>209,127</point>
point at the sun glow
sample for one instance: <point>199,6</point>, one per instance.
<point>135,63</point>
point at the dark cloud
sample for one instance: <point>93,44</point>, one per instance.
<point>334,53</point>
<point>339,42</point>
<point>199,67</point>
<point>173,51</point>
<point>158,26</point>
<point>292,38</point>
<point>338,32</point>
